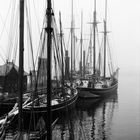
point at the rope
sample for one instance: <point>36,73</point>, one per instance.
<point>4,23</point>
<point>30,38</point>
<point>36,17</point>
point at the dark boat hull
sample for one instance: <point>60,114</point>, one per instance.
<point>55,108</point>
<point>7,105</point>
<point>33,115</point>
<point>96,93</point>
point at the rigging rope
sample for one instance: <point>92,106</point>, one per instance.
<point>4,23</point>
<point>111,60</point>
<point>39,51</point>
<point>36,17</point>
<point>30,38</point>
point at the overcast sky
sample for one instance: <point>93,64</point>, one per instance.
<point>123,22</point>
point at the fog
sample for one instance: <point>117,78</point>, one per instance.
<point>123,22</point>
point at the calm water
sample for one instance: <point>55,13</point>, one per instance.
<point>114,118</point>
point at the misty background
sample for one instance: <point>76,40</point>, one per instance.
<point>123,22</point>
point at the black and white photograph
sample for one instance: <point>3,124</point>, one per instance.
<point>69,70</point>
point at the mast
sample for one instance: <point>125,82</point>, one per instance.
<point>74,42</point>
<point>99,63</point>
<point>71,39</point>
<point>94,38</point>
<point>84,55</point>
<point>90,49</point>
<point>67,70</point>
<point>21,62</point>
<point>49,51</point>
<point>61,35</point>
<point>105,35</point>
<point>81,40</point>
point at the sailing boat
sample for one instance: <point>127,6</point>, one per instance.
<point>50,95</point>
<point>98,84</point>
<point>50,82</point>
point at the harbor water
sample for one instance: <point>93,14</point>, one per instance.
<point>113,118</point>
<point>116,117</point>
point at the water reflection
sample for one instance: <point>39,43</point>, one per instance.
<point>91,120</point>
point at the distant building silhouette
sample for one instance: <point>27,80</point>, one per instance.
<point>9,78</point>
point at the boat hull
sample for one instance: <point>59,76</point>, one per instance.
<point>87,92</point>
<point>7,105</point>
<point>70,103</point>
<point>33,115</point>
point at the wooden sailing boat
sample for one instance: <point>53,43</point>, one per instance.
<point>97,85</point>
<point>48,100</point>
<point>9,71</point>
<point>60,95</point>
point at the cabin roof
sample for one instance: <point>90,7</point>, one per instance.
<point>7,67</point>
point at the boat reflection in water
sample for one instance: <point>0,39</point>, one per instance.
<point>91,120</point>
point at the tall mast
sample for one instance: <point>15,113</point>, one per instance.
<point>105,35</point>
<point>49,51</point>
<point>74,43</point>
<point>81,41</point>
<point>21,62</point>
<point>71,39</point>
<point>99,62</point>
<point>90,48</point>
<point>84,55</point>
<point>94,38</point>
<point>61,35</point>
